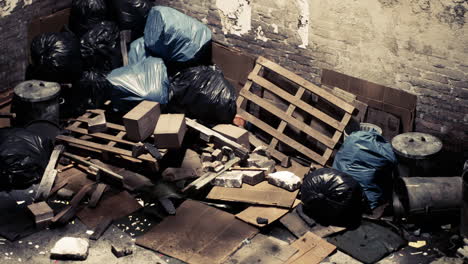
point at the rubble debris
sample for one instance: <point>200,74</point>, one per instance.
<point>217,155</point>
<point>121,251</point>
<point>206,157</point>
<point>141,120</point>
<point>229,179</point>
<point>213,236</point>
<point>97,124</point>
<point>218,166</point>
<point>284,179</point>
<point>262,221</point>
<point>263,249</point>
<point>70,248</point>
<point>260,161</point>
<point>49,175</point>
<point>209,135</point>
<point>133,181</point>
<point>170,131</point>
<point>69,212</point>
<point>177,174</point>
<point>192,161</point>
<point>207,166</point>
<point>234,133</point>
<point>208,177</point>
<point>417,244</point>
<point>262,150</point>
<point>101,228</point>
<point>65,194</point>
<point>312,249</point>
<point>42,212</point>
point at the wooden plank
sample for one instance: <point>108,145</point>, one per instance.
<point>311,249</point>
<point>297,102</point>
<point>48,178</point>
<point>283,138</point>
<point>97,194</point>
<point>100,135</point>
<point>262,193</point>
<point>289,119</point>
<point>208,177</point>
<point>101,147</point>
<point>101,228</point>
<point>98,166</point>
<point>248,84</point>
<point>306,84</point>
<point>109,125</point>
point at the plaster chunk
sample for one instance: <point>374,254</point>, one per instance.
<point>285,179</point>
<point>70,248</point>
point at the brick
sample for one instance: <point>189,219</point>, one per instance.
<point>170,131</point>
<point>234,133</point>
<point>229,179</point>
<point>141,121</point>
<point>42,212</point>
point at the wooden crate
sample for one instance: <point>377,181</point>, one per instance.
<point>295,103</point>
<point>111,142</point>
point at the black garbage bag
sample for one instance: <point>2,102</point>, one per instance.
<point>90,92</point>
<point>56,57</point>
<point>331,197</point>
<point>23,158</point>
<point>131,14</point>
<point>85,14</point>
<point>100,47</point>
<point>203,93</point>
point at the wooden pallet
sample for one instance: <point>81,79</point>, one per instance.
<point>113,141</point>
<point>295,102</point>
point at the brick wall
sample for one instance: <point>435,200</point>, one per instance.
<point>15,15</point>
<point>419,46</point>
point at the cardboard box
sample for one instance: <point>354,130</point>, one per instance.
<point>170,131</point>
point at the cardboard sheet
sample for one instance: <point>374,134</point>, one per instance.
<point>197,234</point>
<point>250,214</point>
<point>112,206</point>
<point>312,249</point>
<point>296,225</point>
<point>263,249</point>
<point>262,193</point>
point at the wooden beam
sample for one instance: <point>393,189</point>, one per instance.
<point>50,173</point>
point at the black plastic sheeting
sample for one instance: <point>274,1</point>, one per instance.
<point>131,14</point>
<point>56,57</point>
<point>23,158</point>
<point>331,197</point>
<point>85,14</point>
<point>100,47</point>
<point>203,93</point>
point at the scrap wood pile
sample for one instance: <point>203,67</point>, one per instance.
<point>159,132</point>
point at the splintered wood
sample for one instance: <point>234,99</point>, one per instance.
<point>295,104</point>
<point>113,141</point>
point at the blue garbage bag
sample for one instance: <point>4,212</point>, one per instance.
<point>137,51</point>
<point>174,36</point>
<point>369,159</point>
<point>144,80</point>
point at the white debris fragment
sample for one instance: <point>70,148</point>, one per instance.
<point>30,243</point>
<point>285,179</point>
<point>41,253</point>
<point>19,202</point>
<point>36,246</point>
<point>229,179</point>
<point>89,232</point>
<point>71,248</point>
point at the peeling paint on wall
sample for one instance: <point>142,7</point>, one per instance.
<point>236,16</point>
<point>7,6</point>
<point>260,35</point>
<point>303,22</point>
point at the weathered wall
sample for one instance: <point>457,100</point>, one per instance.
<point>420,46</point>
<point>15,16</point>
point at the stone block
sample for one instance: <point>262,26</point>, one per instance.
<point>234,133</point>
<point>229,179</point>
<point>70,248</point>
<point>285,179</point>
<point>253,177</point>
<point>170,131</point>
<point>141,120</point>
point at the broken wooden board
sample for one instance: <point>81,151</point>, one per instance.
<point>262,193</point>
<point>50,173</point>
<point>263,249</point>
<point>272,214</point>
<point>97,194</point>
<point>312,249</point>
<point>295,102</point>
<point>197,234</point>
<point>111,206</point>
